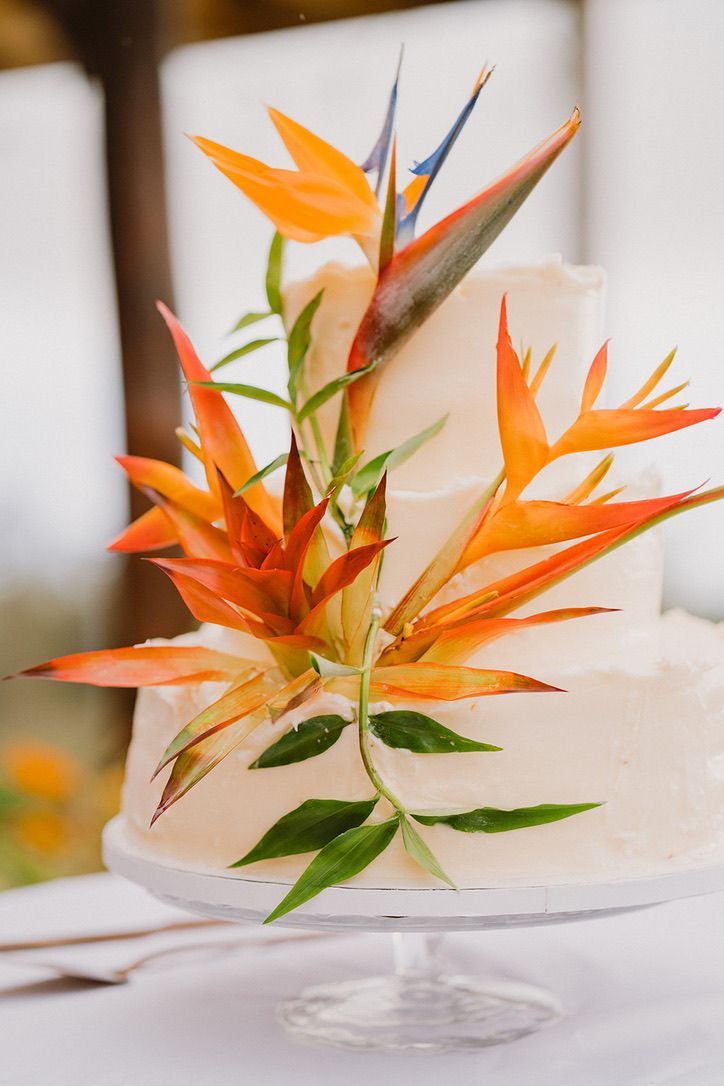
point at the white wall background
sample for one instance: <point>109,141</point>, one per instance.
<point>654,217</point>
<point>61,409</point>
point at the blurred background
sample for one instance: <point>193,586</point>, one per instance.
<point>105,206</point>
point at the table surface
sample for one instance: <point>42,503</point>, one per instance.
<point>644,994</point>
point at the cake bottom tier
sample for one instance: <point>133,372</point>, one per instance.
<point>642,733</point>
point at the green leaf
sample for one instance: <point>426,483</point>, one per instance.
<point>341,476</point>
<point>369,476</point>
<point>262,473</point>
<point>329,668</point>
<point>326,392</point>
<point>250,318</point>
<point>298,343</point>
<point>421,853</point>
<point>492,820</point>
<point>340,860</point>
<point>250,392</point>
<point>308,827</point>
<point>406,730</point>
<point>307,739</point>
<point>239,352</point>
<point>274,275</point>
<point>343,446</point>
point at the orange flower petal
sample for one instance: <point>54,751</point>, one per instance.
<point>141,665</point>
<point>448,683</point>
<point>302,206</point>
<point>314,155</point>
<point>152,531</point>
<point>223,443</point>
<point>601,429</point>
<point>172,483</point>
<point>522,434</point>
<point>594,380</point>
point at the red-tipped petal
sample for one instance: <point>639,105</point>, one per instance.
<point>455,646</point>
<point>222,441</point>
<point>538,523</point>
<point>449,683</point>
<point>172,483</point>
<point>142,665</point>
<point>152,531</point>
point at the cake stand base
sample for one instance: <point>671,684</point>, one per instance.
<point>427,1005</point>
<point>421,1007</point>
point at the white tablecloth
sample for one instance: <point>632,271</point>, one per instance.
<point>644,994</point>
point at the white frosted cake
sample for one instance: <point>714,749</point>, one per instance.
<point>640,724</point>
<point>434,655</point>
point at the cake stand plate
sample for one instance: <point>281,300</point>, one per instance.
<point>422,1006</point>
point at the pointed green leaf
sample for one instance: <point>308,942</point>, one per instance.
<point>250,318</point>
<point>330,669</point>
<point>305,740</point>
<point>339,861</point>
<point>262,473</point>
<point>308,827</point>
<point>250,392</point>
<point>326,392</point>
<point>298,343</point>
<point>342,475</point>
<point>492,820</point>
<point>368,477</point>
<point>421,853</point>
<point>274,274</point>
<point>343,448</point>
<point>406,730</point>
<point>239,352</point>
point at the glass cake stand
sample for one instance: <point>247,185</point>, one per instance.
<point>422,1005</point>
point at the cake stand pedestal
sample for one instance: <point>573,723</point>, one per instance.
<point>424,1005</point>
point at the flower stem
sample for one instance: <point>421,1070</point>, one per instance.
<point>363,713</point>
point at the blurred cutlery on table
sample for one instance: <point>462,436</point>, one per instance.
<point>98,974</point>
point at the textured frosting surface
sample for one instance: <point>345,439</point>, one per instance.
<point>642,731</point>
<point>448,366</point>
<point>640,726</point>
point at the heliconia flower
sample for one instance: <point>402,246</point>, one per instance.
<point>500,597</point>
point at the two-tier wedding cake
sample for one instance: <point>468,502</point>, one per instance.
<point>431,648</point>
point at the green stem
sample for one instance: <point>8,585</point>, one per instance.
<point>318,440</point>
<point>363,713</point>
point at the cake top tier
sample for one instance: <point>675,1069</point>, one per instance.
<point>446,369</point>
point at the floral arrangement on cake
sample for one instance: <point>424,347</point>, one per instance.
<point>300,573</point>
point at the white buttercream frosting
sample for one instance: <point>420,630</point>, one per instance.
<point>640,726</point>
